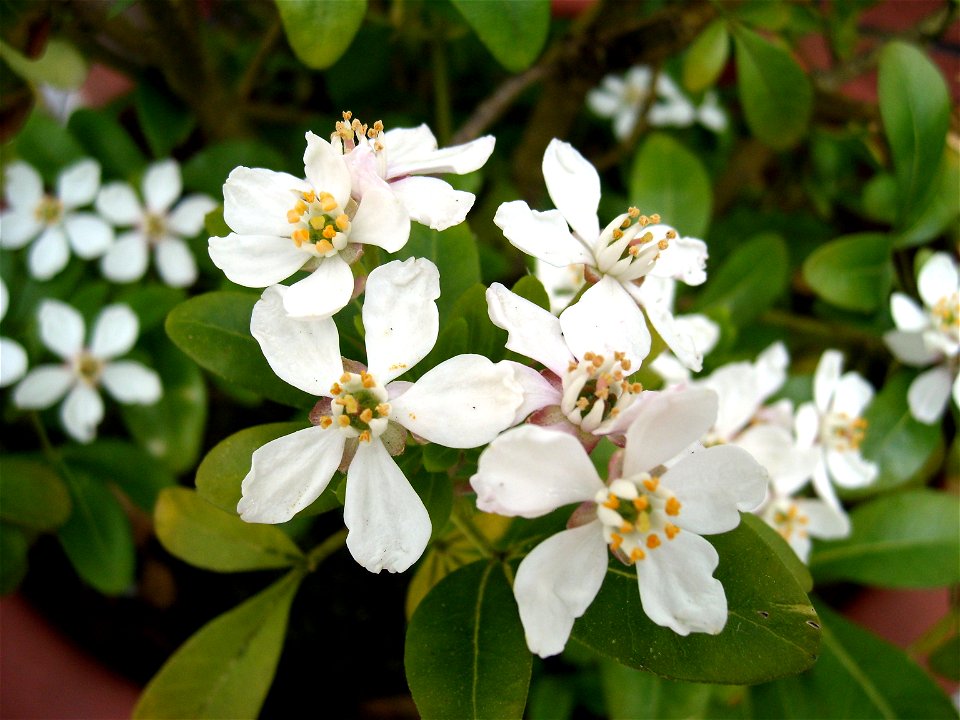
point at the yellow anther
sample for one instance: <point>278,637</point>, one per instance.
<point>626,527</point>
<point>383,409</point>
<point>329,232</point>
<point>860,423</point>
<point>309,196</point>
<point>655,218</point>
<point>572,366</point>
<point>345,378</point>
<point>335,389</point>
<point>347,115</point>
<point>582,403</point>
<point>300,236</point>
<point>633,212</point>
<point>588,356</point>
<point>367,380</point>
<point>663,244</point>
<point>633,250</point>
<point>636,387</point>
<point>641,503</point>
<point>342,221</point>
<point>617,234</point>
<point>671,530</point>
<point>644,221</point>
<point>671,234</point>
<point>349,403</point>
<point>615,541</point>
<point>645,238</point>
<point>326,421</point>
<point>625,224</point>
<point>653,541</point>
<point>378,126</point>
<point>652,484</point>
<point>343,421</point>
<point>597,360</point>
<point>602,393</point>
<point>625,364</point>
<point>612,502</point>
<point>300,207</point>
<point>636,555</point>
<point>324,246</point>
<point>293,216</point>
<point>364,436</point>
<point>328,203</point>
<point>366,415</point>
<point>316,222</point>
<point>673,506</point>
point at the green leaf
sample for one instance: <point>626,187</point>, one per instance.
<point>775,92</point>
<point>208,169</point>
<point>151,303</point>
<point>857,676</point>
<point>214,329</point>
<point>436,492</point>
<point>13,557</point>
<point>465,654</point>
<point>669,180</point>
<point>938,211</point>
<point>97,538</point>
<point>790,560</point>
<point>207,537</point>
<point>47,146</point>
<point>513,32</point>
<point>32,495</point>
<point>224,467</point>
<point>630,693</point>
<point>751,278</point>
<point>915,109</point>
<point>320,32</point>
<point>706,57</point>
<point>106,140</point>
<point>225,669</point>
<point>165,122</point>
<point>131,469</point>
<point>530,288</point>
<point>945,658</point>
<point>771,629</point>
<point>853,272</point>
<point>903,540</point>
<point>483,337</point>
<point>61,65</point>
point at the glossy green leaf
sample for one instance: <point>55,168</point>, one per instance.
<point>938,211</point>
<point>13,557</point>
<point>775,92</point>
<point>97,538</point>
<point>751,278</point>
<point>630,693</point>
<point>857,676</point>
<point>60,65</point>
<point>436,492</point>
<point>669,180</point>
<point>165,121</point>
<point>790,560</point>
<point>225,669</point>
<point>530,288</point>
<point>48,146</point>
<point>945,658</point>
<point>105,139</point>
<point>320,31</point>
<point>151,303</point>
<point>907,539</point>
<point>125,465</point>
<point>915,109</point>
<point>853,272</point>
<point>207,171</point>
<point>771,628</point>
<point>465,654</point>
<point>706,57</point>
<point>207,537</point>
<point>483,337</point>
<point>214,329</point>
<point>513,32</point>
<point>32,495</point>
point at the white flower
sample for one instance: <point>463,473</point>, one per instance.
<point>155,224</point>
<point>628,250</point>
<point>53,219</point>
<point>649,516</point>
<point>833,424</point>
<point>462,402</point>
<point>929,335</point>
<point>282,224</point>
<point>13,358</point>
<point>85,367</point>
<point>561,283</point>
<point>397,159</point>
<point>799,519</point>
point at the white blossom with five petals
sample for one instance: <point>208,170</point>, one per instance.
<point>13,358</point>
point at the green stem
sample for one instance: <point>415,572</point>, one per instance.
<point>935,635</point>
<point>465,526</point>
<point>835,332</point>
<point>322,551</point>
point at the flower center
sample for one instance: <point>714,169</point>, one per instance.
<point>88,368</point>
<point>595,390</point>
<point>843,433</point>
<point>636,513</point>
<point>946,316</point>
<point>627,250</point>
<point>154,227</point>
<point>359,407</point>
<point>49,211</point>
<point>786,519</point>
<point>320,223</point>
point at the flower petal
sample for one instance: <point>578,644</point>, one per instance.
<point>162,185</point>
<point>49,254</point>
<point>77,184</point>
<point>907,314</point>
<point>304,352</point>
<point>175,262</point>
<point>89,235</point>
<point>461,403</point>
<point>256,201</point>
<point>824,521</point>
<point>677,587</point>
<point>42,387</point>
<point>574,187</point>
<point>326,170</point>
<point>826,377</point>
<point>400,316</point>
<point>685,258</point>
<point>538,392</point>
<point>910,348</point>
<point>126,260</point>
<point>851,395</point>
<point>556,583</point>
<point>186,219</point>
<point>531,330</point>
<point>81,412</point>
<point>289,473</point>
<point>433,202</point>
<point>256,260</point>
<point>774,448</point>
<point>938,279</point>
<point>928,394</point>
<point>323,292</point>
<point>381,220</point>
<point>667,423</point>
<point>849,469</point>
<point>530,471</point>
<point>129,382</point>
<point>13,361</point>
<point>18,227</point>
<point>119,205</point>
<point>23,186</point>
<point>389,526</point>
<point>683,345</point>
<point>418,158</point>
<point>114,332</point>
<point>544,235</point>
<point>61,328</point>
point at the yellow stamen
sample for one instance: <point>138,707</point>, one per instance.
<point>612,502</point>
<point>383,409</point>
<point>329,232</point>
<point>335,389</point>
<point>343,421</point>
<point>626,527</point>
<point>345,378</point>
<point>636,555</point>
<point>615,541</point>
<point>653,541</point>
<point>673,506</point>
<point>342,221</point>
<point>328,203</point>
<point>300,236</point>
<point>671,530</point>
<point>309,196</point>
<point>326,421</point>
<point>367,415</point>
<point>324,246</point>
<point>293,216</point>
<point>364,436</point>
<point>367,380</point>
<point>316,222</point>
<point>651,484</point>
<point>641,503</point>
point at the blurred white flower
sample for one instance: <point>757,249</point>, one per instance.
<point>155,224</point>
<point>798,519</point>
<point>86,366</point>
<point>13,358</point>
<point>53,221</point>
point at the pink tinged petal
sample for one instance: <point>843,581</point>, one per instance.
<point>162,186</point>
<point>907,314</point>
<point>849,469</point>
<point>681,344</point>
<point>49,254</point>
<point>677,587</point>
<point>129,382</point>
<point>81,412</point>
<point>530,471</point>
<point>13,361</point>
<point>381,220</point>
<point>461,403</point>
<point>928,394</point>
<point>537,391</point>
<point>685,259</point>
<point>852,395</point>
<point>323,292</point>
<point>61,328</point>
<point>458,159</point>
<point>544,235</point>
<point>574,187</point>
<point>304,352</point>
<point>556,583</point>
<point>175,262</point>
<point>910,348</point>
<point>326,170</point>
<point>114,332</point>
<point>823,521</point>
<point>433,202</point>
<point>23,186</point>
<point>712,485</point>
<point>256,201</point>
<point>606,320</point>
<point>400,316</point>
<point>938,279</point>
<point>42,387</point>
<point>531,330</point>
<point>389,526</point>
<point>119,205</point>
<point>77,185</point>
<point>186,219</point>
<point>667,424</point>
<point>89,235</point>
<point>289,473</point>
<point>18,227</point>
<point>126,260</point>
<point>256,260</point>
<point>826,377</point>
